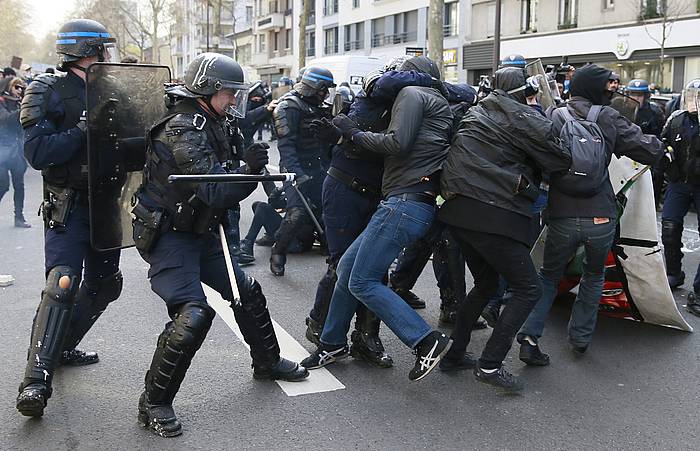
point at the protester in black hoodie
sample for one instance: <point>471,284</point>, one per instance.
<point>490,179</point>
<point>584,221</point>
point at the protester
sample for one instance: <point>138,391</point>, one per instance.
<point>12,162</point>
<point>588,217</point>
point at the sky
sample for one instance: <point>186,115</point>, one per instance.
<point>47,14</point>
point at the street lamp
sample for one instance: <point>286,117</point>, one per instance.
<point>497,38</point>
<point>208,4</point>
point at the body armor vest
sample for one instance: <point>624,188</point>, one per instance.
<point>685,140</point>
<point>74,173</point>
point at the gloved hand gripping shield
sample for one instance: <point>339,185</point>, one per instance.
<point>548,91</point>
<point>123,101</point>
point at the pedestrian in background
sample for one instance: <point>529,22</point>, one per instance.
<point>12,162</point>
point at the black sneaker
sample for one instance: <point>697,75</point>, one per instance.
<point>499,378</point>
<point>76,357</point>
<point>265,240</point>
<point>531,354</point>
<point>277,262</point>
<point>676,280</point>
<point>428,354</point>
<point>370,349</point>
<point>410,298</point>
<point>159,419</point>
<point>578,349</point>
<point>284,370</point>
<point>693,305</point>
<point>466,362</point>
<point>323,356</point>
<point>313,331</point>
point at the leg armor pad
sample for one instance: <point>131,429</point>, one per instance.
<point>177,345</point>
<point>90,304</point>
<point>671,234</point>
<point>51,326</point>
<point>254,320</point>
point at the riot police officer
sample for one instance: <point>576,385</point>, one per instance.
<point>514,60</point>
<point>174,232</point>
<point>53,116</point>
<point>650,117</point>
<point>683,173</point>
<point>301,152</point>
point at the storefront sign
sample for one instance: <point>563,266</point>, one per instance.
<point>623,46</point>
<point>449,57</point>
<point>415,51</point>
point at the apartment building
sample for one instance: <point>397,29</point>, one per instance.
<point>192,32</point>
<point>606,32</point>
<point>381,28</point>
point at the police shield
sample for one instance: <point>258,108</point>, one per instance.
<point>548,92</point>
<point>123,101</point>
<point>625,105</point>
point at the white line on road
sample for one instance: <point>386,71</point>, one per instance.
<point>275,169</point>
<point>320,380</point>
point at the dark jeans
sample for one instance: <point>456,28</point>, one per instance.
<point>15,172</point>
<point>487,256</point>
<point>263,216</point>
<point>564,236</point>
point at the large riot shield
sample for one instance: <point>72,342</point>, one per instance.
<point>123,101</point>
<point>626,106</point>
<point>549,93</point>
<point>279,91</point>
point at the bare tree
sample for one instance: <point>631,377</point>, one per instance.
<point>436,24</point>
<point>664,13</point>
<point>150,22</point>
<point>303,22</point>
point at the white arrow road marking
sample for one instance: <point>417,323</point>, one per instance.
<point>320,380</point>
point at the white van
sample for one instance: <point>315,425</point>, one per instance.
<point>350,68</point>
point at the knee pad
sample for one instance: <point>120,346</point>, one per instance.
<point>109,288</point>
<point>252,298</point>
<point>190,326</point>
<point>671,233</point>
<point>61,284</point>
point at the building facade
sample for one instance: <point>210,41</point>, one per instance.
<point>623,35</point>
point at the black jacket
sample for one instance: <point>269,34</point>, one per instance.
<point>11,137</point>
<point>498,153</point>
<point>681,133</point>
<point>622,138</point>
<point>416,141</point>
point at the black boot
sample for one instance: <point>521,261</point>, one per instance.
<point>530,352</point>
<point>693,305</point>
<point>266,240</point>
<point>21,223</point>
<point>177,345</point>
<point>448,306</point>
<point>671,235</point>
<point>366,344</point>
<point>254,321</point>
<point>277,262</point>
<point>246,257</point>
<point>410,298</point>
<point>76,357</point>
<point>48,334</point>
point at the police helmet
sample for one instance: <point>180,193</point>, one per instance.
<point>690,99</point>
<point>257,89</point>
<point>638,86</point>
<point>82,38</point>
<point>513,60</point>
<point>318,78</point>
<point>344,97</point>
<point>285,81</point>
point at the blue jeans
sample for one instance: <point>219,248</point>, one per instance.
<point>564,236</point>
<point>394,225</point>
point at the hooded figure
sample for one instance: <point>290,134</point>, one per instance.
<point>591,82</point>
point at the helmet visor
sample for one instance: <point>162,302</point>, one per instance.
<point>109,53</point>
<point>238,103</point>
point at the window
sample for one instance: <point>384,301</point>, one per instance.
<point>311,43</point>
<point>450,25</point>
<point>330,7</point>
<point>355,3</point>
<point>243,54</point>
<point>608,4</point>
<point>652,8</point>
<point>491,21</point>
<point>248,14</point>
<point>288,39</point>
<point>261,43</point>
<point>331,41</point>
<point>276,41</point>
<point>354,36</point>
<point>405,28</point>
<point>528,16</point>
<point>568,13</point>
<point>378,32</point>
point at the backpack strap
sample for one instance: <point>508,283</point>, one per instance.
<point>593,113</point>
<point>564,111</point>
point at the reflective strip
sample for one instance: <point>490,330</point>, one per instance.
<point>314,76</point>
<point>83,34</point>
<point>66,41</point>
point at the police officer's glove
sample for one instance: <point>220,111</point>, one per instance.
<point>347,126</point>
<point>256,158</point>
<point>301,179</point>
<point>440,86</point>
<point>324,130</point>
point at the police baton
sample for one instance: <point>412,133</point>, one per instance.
<point>229,267</point>
<point>308,209</point>
<point>232,178</point>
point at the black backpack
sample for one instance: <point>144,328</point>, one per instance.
<point>589,158</point>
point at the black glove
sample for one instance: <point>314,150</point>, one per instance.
<point>82,122</point>
<point>347,126</point>
<point>256,157</point>
<point>324,130</point>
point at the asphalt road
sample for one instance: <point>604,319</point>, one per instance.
<point>638,387</point>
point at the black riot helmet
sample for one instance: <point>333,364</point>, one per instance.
<point>82,38</point>
<point>344,97</point>
<point>318,78</point>
<point>513,60</point>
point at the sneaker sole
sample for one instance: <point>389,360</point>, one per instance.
<point>270,377</point>
<point>531,362</point>
<point>513,389</point>
<point>335,359</point>
<point>436,363</point>
<point>31,408</point>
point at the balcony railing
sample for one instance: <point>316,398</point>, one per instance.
<point>354,45</point>
<point>311,51</point>
<point>312,20</point>
<point>330,49</point>
<point>379,40</point>
<point>449,30</point>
